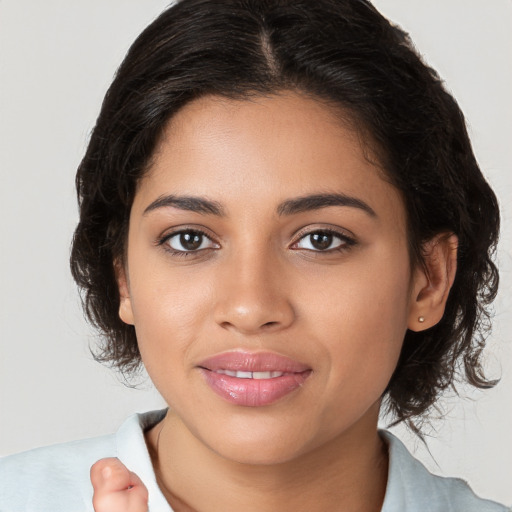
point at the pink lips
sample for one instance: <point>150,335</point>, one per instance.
<point>253,379</point>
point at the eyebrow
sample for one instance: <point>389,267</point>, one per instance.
<point>288,207</point>
<point>318,201</point>
<point>188,203</point>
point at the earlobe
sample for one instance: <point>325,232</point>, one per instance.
<point>125,304</point>
<point>125,310</point>
<point>432,281</point>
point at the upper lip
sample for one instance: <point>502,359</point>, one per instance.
<point>239,360</point>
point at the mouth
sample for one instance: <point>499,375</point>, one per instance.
<point>251,375</point>
<point>253,379</point>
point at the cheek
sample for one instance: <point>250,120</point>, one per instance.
<point>169,312</point>
<point>362,317</point>
<point>368,292</point>
<point>361,332</point>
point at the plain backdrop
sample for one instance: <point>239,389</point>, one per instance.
<point>57,58</point>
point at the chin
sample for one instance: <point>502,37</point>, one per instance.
<point>253,446</point>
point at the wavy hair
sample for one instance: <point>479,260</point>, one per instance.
<point>343,52</point>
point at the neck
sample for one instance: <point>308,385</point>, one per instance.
<point>347,473</point>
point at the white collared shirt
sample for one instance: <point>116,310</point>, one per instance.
<point>56,478</point>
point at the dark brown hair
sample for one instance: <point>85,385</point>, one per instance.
<point>340,51</point>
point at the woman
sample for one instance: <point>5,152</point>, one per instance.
<point>282,217</point>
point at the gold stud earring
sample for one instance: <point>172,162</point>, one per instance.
<point>421,319</point>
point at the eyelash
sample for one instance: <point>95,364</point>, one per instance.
<point>181,254</point>
<point>347,242</point>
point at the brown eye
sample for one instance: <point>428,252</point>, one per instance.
<point>323,241</point>
<point>190,241</point>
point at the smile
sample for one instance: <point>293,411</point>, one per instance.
<point>253,379</point>
<point>250,375</point>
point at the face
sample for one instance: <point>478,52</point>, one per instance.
<point>267,276</point>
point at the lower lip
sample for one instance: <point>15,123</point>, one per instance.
<point>254,392</point>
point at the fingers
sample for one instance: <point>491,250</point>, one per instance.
<point>110,475</point>
<point>116,489</point>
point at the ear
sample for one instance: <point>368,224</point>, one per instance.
<point>432,281</point>
<point>125,303</point>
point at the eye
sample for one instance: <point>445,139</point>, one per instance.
<point>323,241</point>
<point>189,241</point>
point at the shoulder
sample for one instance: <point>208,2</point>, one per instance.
<point>47,478</point>
<point>413,488</point>
<point>56,478</point>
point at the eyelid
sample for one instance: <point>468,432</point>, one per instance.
<point>346,236</point>
<point>341,233</point>
<point>178,230</point>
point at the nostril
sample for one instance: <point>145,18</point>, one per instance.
<point>268,326</point>
<point>253,316</point>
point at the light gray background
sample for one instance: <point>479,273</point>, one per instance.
<point>57,58</point>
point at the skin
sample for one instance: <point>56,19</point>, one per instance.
<point>258,284</point>
<point>116,489</point>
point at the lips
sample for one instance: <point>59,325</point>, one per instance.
<point>253,379</point>
<point>251,375</point>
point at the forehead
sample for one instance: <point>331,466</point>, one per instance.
<point>264,148</point>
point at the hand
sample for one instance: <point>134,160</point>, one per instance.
<point>116,489</point>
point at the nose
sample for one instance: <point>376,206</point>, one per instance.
<point>252,297</point>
